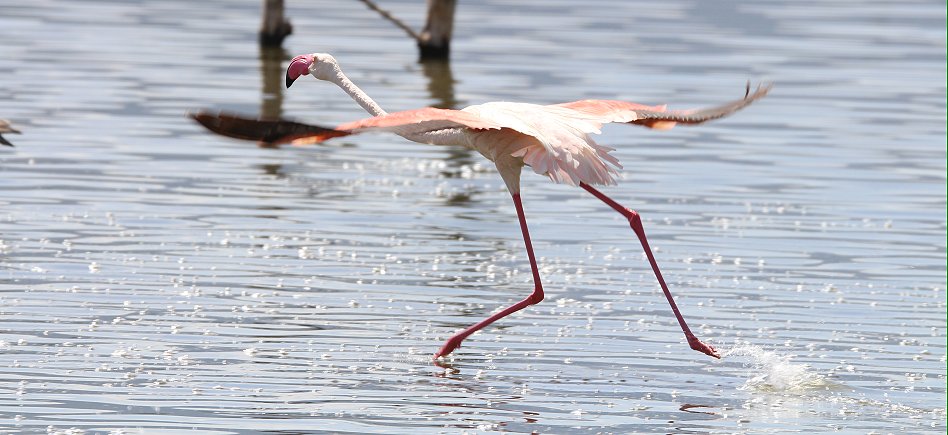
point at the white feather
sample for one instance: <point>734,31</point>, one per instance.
<point>563,149</point>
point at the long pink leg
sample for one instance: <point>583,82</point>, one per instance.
<point>636,222</point>
<point>537,295</point>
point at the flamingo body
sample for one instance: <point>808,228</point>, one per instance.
<point>554,140</point>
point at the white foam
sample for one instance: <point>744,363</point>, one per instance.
<point>771,371</point>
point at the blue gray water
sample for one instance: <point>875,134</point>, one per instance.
<point>155,278</point>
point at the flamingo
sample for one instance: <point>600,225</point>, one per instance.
<point>553,140</point>
<point>5,127</point>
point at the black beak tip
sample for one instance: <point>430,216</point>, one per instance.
<point>289,81</point>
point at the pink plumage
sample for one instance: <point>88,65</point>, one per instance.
<point>553,140</point>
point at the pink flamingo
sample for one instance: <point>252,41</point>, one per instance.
<point>553,140</point>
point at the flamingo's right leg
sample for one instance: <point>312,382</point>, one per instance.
<point>455,341</point>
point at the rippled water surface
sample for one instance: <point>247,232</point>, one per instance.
<point>156,278</point>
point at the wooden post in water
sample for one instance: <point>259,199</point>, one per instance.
<point>275,27</point>
<point>435,40</point>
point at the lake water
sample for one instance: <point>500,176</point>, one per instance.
<point>155,278</point>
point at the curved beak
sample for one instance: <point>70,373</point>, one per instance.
<point>299,66</point>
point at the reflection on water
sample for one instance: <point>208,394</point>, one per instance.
<point>440,82</point>
<point>156,278</point>
<point>273,74</point>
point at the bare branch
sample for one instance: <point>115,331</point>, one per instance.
<point>388,16</point>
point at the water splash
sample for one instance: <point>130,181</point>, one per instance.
<point>774,372</point>
<point>413,358</point>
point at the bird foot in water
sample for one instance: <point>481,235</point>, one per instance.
<point>449,346</point>
<point>703,348</point>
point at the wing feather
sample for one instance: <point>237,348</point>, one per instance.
<point>273,132</point>
<point>267,132</point>
<point>561,147</point>
<point>419,121</point>
<point>659,117</point>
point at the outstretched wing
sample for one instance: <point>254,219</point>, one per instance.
<point>657,116</point>
<point>267,132</point>
<point>410,123</point>
<point>420,121</point>
<point>407,123</point>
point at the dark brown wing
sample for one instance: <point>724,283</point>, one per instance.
<point>266,132</point>
<point>697,116</point>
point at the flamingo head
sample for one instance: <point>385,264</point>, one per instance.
<point>320,65</point>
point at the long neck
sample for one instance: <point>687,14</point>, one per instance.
<point>450,136</point>
<point>357,94</point>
